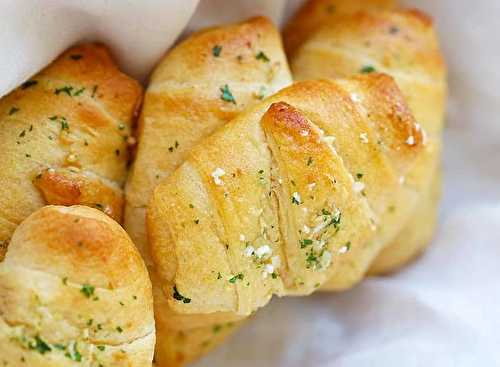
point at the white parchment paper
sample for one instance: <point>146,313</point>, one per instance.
<point>444,309</point>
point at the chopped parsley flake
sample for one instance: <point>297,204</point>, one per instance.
<point>39,345</point>
<point>309,161</point>
<point>29,83</point>
<point>179,297</point>
<point>87,290</point>
<point>216,50</point>
<point>238,276</point>
<point>359,176</point>
<point>13,110</point>
<point>73,353</point>
<point>101,347</point>
<point>66,89</point>
<point>226,94</point>
<point>305,242</point>
<point>119,329</point>
<point>367,69</point>
<point>262,56</point>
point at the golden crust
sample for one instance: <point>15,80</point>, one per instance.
<point>65,258</point>
<point>72,116</point>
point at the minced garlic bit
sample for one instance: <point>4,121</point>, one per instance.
<point>355,97</point>
<point>296,199</point>
<point>263,251</point>
<point>304,133</point>
<point>269,268</point>
<point>410,140</point>
<point>242,237</point>
<point>306,229</point>
<point>72,158</point>
<point>343,249</point>
<point>217,174</point>
<point>329,139</point>
<point>402,180</point>
<point>325,259</point>
<point>364,138</point>
<point>358,186</point>
<point>249,251</point>
<point>311,186</point>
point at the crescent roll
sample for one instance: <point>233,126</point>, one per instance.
<point>200,85</point>
<point>295,192</point>
<point>403,44</point>
<point>64,136</point>
<point>74,291</point>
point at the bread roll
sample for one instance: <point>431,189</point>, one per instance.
<point>74,291</point>
<point>401,43</point>
<point>200,85</point>
<point>64,137</point>
<point>294,192</point>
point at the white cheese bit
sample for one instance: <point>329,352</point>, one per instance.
<point>51,170</point>
<point>318,245</point>
<point>410,140</point>
<point>364,138</point>
<point>329,139</point>
<point>280,181</point>
<point>249,251</point>
<point>325,259</point>
<point>355,97</point>
<point>402,180</point>
<point>242,237</point>
<point>343,249</point>
<point>306,229</point>
<point>321,131</point>
<point>217,174</point>
<point>304,133</point>
<point>304,209</point>
<point>358,186</point>
<point>417,126</point>
<point>297,198</point>
<point>276,261</point>
<point>311,186</point>
<point>263,251</point>
<point>269,268</point>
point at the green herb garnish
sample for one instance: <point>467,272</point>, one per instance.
<point>226,94</point>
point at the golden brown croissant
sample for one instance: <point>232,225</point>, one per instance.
<point>293,193</point>
<point>74,291</point>
<point>401,43</point>
<point>64,137</point>
<point>200,85</point>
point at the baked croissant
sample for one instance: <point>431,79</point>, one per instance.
<point>401,43</point>
<point>74,291</point>
<point>293,193</point>
<point>200,85</point>
<point>64,137</point>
